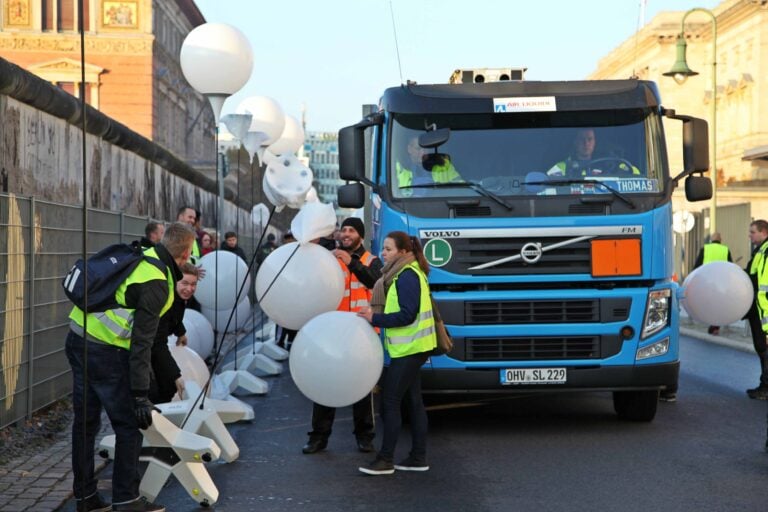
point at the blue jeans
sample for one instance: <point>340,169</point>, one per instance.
<point>101,380</point>
<point>403,378</point>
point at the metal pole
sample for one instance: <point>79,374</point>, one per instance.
<point>713,136</point>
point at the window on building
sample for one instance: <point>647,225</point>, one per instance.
<point>61,15</point>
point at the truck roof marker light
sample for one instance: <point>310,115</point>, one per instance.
<point>616,257</point>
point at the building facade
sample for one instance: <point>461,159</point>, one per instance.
<point>132,70</point>
<point>322,151</point>
<point>741,57</point>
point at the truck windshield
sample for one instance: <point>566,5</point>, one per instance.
<point>529,154</point>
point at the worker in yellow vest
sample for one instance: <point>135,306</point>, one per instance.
<point>412,172</point>
<point>715,250</point>
<point>402,304</point>
<point>758,236</point>
<point>114,347</point>
<point>361,271</point>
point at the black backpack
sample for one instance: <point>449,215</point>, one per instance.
<point>107,270</point>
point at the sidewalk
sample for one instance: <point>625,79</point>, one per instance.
<point>42,481</point>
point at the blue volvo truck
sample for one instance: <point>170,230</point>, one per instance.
<point>545,212</point>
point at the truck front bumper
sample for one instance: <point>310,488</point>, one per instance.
<point>603,378</point>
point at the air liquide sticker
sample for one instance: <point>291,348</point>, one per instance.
<point>525,104</point>
<point>438,252</point>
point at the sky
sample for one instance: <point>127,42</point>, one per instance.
<point>332,56</point>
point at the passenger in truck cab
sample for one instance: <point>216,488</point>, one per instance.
<point>410,171</point>
<point>583,161</point>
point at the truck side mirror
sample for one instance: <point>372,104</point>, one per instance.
<point>695,145</point>
<point>698,188</point>
<point>351,195</point>
<point>351,154</point>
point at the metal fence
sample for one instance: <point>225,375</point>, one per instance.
<point>39,242</point>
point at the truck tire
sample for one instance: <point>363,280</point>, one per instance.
<point>636,405</point>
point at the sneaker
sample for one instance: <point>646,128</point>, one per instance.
<point>93,503</point>
<point>412,464</point>
<point>138,505</point>
<point>758,393</point>
<point>378,467</point>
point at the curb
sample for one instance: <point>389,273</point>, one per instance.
<point>717,340</point>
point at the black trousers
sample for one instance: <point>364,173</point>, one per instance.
<point>362,412</point>
<point>759,342</point>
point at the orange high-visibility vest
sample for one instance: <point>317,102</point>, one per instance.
<point>356,295</point>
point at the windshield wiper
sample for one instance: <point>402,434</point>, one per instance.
<point>560,182</point>
<point>465,184</point>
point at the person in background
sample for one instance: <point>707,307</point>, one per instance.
<point>758,236</point>
<point>411,171</point>
<point>402,305</point>
<point>361,271</point>
<point>188,215</point>
<point>715,250</point>
<point>266,248</point>
<point>153,233</point>
<point>166,376</point>
<point>206,243</point>
<point>230,244</point>
<point>111,367</point>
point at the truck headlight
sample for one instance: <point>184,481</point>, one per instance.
<point>656,312</point>
<point>653,350</point>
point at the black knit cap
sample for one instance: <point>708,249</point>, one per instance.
<point>355,224</point>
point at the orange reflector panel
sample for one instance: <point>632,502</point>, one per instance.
<point>616,257</point>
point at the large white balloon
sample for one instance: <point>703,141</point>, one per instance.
<point>216,58</point>
<point>336,359</point>
<point>718,293</point>
<point>311,283</point>
<point>290,140</point>
<point>218,319</point>
<point>192,366</point>
<point>287,181</point>
<point>199,332</point>
<point>227,275</point>
<point>268,117</point>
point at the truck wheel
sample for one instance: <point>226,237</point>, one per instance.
<point>636,405</point>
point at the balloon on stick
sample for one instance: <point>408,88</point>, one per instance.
<point>227,275</point>
<point>267,122</point>
<point>199,332</point>
<point>297,282</point>
<point>332,369</point>
<point>286,182</point>
<point>192,366</point>
<point>718,293</point>
<point>290,140</point>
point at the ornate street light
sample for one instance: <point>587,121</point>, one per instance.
<point>680,72</point>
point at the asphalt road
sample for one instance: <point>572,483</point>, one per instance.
<point>544,452</point>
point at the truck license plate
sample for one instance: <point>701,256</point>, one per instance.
<point>533,376</point>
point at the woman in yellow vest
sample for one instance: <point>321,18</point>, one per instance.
<point>401,305</point>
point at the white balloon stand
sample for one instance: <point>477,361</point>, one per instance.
<point>251,358</point>
<point>205,422</point>
<point>229,408</point>
<point>173,452</point>
<point>236,379</point>
<point>270,349</point>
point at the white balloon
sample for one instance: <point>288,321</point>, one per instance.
<point>216,58</point>
<point>718,293</point>
<point>313,221</point>
<point>192,366</point>
<point>311,283</point>
<point>260,215</point>
<point>268,117</point>
<point>218,319</point>
<point>287,181</point>
<point>199,332</point>
<point>227,275</point>
<point>336,359</point>
<point>290,140</point>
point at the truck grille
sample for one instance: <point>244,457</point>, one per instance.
<point>574,258</point>
<point>532,312</point>
<point>534,348</point>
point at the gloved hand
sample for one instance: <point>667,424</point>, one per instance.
<point>142,408</point>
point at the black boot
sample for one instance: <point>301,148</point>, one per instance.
<point>761,391</point>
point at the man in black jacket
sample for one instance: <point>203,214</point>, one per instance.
<point>115,346</point>
<point>166,375</point>
<point>230,244</point>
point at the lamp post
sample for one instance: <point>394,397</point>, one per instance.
<point>680,72</point>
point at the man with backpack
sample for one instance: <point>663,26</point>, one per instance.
<point>109,352</point>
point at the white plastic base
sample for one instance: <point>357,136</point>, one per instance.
<point>235,379</point>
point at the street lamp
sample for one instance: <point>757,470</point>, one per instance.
<point>680,72</point>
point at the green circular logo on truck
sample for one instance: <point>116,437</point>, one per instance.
<point>438,252</point>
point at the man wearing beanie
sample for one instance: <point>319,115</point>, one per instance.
<point>361,271</point>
